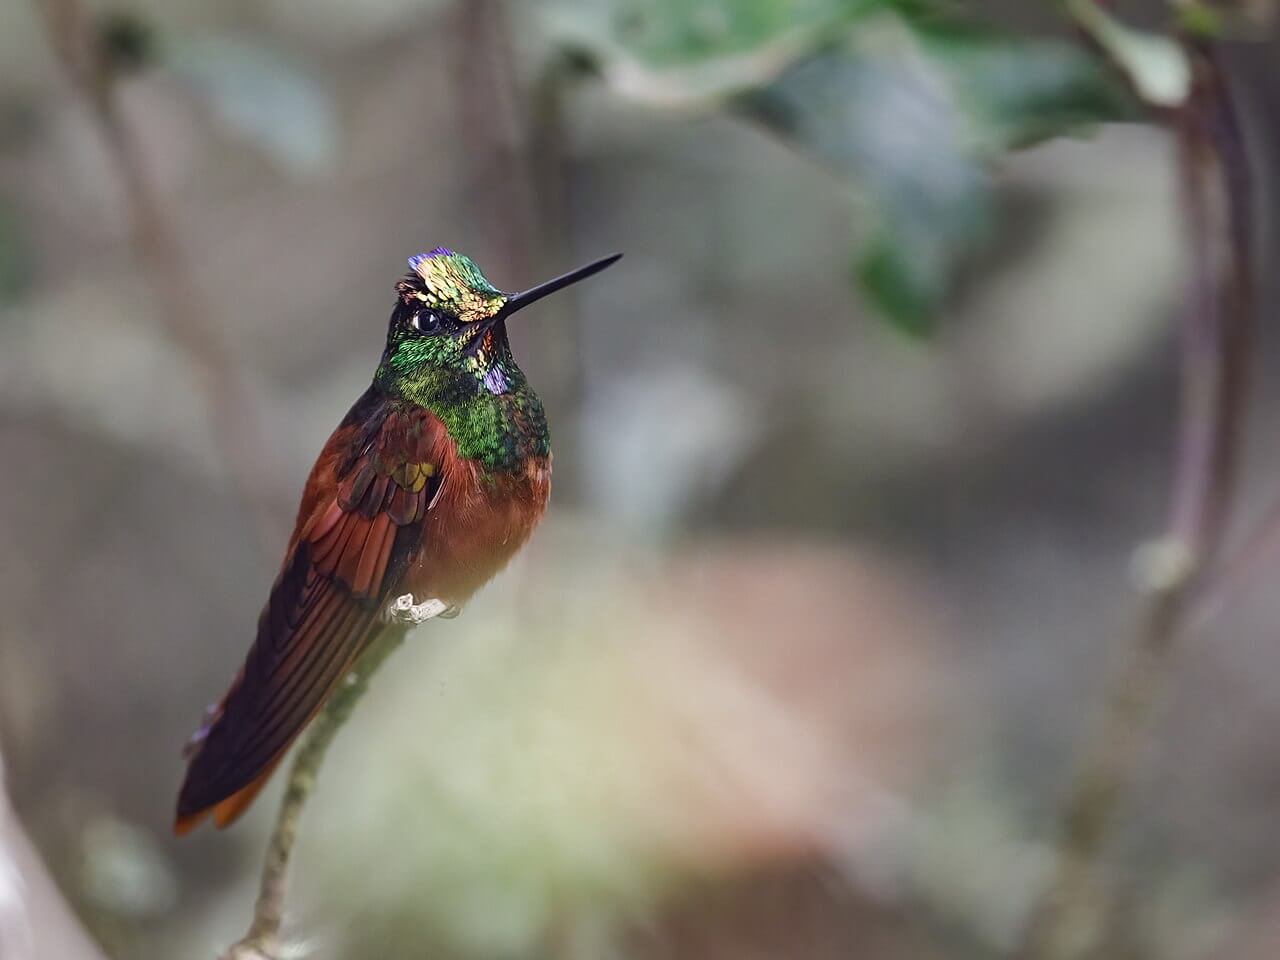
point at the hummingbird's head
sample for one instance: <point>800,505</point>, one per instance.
<point>448,335</point>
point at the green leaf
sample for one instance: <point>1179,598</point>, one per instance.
<point>1020,92</point>
<point>904,288</point>
<point>910,107</point>
<point>664,33</point>
<point>695,53</point>
<point>879,111</point>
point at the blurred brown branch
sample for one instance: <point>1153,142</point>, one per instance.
<point>517,195</point>
<point>491,124</point>
<point>75,39</point>
<point>1217,336</point>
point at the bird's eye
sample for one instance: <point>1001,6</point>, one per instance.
<point>425,321</point>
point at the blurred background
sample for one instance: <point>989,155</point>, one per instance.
<point>852,452</point>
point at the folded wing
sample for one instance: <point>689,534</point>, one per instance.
<point>361,523</point>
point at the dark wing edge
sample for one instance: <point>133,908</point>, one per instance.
<point>324,608</point>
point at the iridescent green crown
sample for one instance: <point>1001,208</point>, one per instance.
<point>452,282</point>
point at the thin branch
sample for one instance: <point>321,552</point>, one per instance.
<point>1242,567</point>
<point>1217,335</point>
<point>74,38</point>
<point>1067,918</point>
<point>262,942</point>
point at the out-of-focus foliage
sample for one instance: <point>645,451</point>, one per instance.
<point>14,256</point>
<point>914,109</point>
<point>601,760</point>
<point>125,872</point>
<point>261,96</point>
<point>675,34</point>
<point>250,87</point>
<point>915,120</point>
<point>1155,65</point>
<point>877,110</point>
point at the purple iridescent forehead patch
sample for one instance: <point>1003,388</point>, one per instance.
<point>418,258</point>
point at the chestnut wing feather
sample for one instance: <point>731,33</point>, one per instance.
<point>349,552</point>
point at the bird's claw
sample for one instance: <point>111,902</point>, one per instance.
<point>403,610</point>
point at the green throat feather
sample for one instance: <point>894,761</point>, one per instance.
<point>499,430</point>
<point>447,350</point>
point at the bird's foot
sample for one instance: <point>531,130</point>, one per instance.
<point>403,610</point>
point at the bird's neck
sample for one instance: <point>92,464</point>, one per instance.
<point>501,431</point>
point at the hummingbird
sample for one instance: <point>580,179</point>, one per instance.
<point>435,478</point>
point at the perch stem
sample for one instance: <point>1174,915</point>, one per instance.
<point>262,940</point>
<point>1069,917</point>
